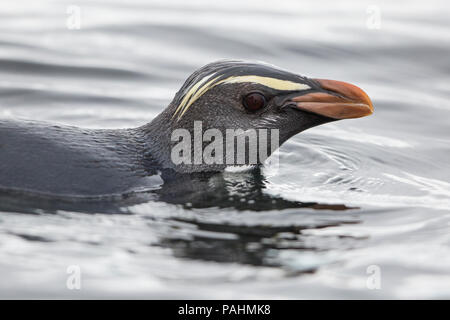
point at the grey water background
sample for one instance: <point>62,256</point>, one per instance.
<point>123,67</point>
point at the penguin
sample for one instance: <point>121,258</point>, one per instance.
<point>220,97</point>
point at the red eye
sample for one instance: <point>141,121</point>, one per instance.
<point>254,101</point>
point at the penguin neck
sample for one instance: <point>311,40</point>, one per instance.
<point>156,140</point>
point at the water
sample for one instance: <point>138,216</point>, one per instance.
<point>348,197</point>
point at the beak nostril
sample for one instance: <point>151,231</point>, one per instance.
<point>290,104</point>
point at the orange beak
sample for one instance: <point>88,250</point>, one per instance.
<point>341,101</point>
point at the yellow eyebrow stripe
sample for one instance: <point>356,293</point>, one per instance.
<point>202,86</point>
<point>274,83</point>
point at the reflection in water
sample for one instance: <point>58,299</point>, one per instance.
<point>244,241</point>
<point>210,239</point>
<point>253,245</point>
<point>240,191</point>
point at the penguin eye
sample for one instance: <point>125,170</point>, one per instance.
<point>254,101</point>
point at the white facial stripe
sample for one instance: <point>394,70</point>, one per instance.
<point>189,94</point>
<point>210,84</point>
<point>202,86</point>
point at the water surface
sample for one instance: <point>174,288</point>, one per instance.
<point>347,195</point>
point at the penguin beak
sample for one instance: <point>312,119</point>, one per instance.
<point>338,100</point>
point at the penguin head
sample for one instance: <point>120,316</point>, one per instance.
<point>231,95</point>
